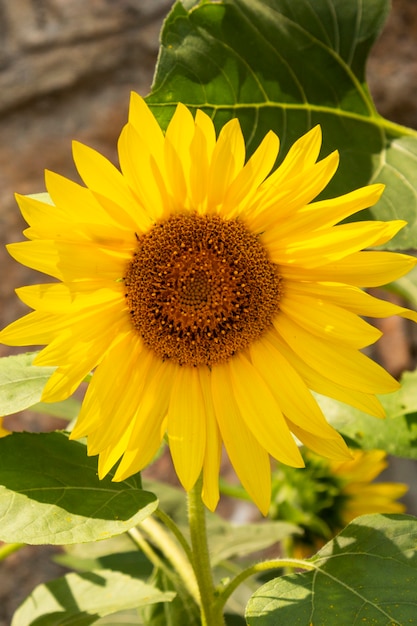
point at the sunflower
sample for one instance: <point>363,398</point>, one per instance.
<point>209,297</point>
<point>328,494</point>
<point>359,495</point>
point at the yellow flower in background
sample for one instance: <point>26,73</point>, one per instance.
<point>360,494</point>
<point>209,296</point>
<point>327,495</point>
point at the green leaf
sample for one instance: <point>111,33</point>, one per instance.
<point>51,493</point>
<point>132,563</point>
<point>288,66</point>
<point>396,434</point>
<point>366,575</point>
<point>228,540</point>
<point>81,599</point>
<point>21,383</point>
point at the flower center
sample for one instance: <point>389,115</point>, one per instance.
<point>201,288</point>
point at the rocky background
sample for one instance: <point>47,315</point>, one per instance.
<point>66,70</point>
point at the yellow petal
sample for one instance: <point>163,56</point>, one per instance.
<point>261,412</point>
<point>212,458</point>
<point>227,160</point>
<point>134,461</point>
<point>201,150</point>
<point>78,350</point>
<point>326,213</point>
<point>109,404</point>
<point>80,207</point>
<point>277,206</point>
<point>64,299</point>
<point>72,261</point>
<point>364,467</point>
<point>344,366</point>
<point>328,321</point>
<point>328,246</point>
<point>350,298</point>
<point>178,138</point>
<point>46,221</point>
<point>290,391</point>
<point>146,177</point>
<point>302,155</point>
<point>248,457</point>
<point>334,448</point>
<point>110,456</point>
<point>149,423</point>
<point>152,406</point>
<point>321,384</point>
<point>101,176</point>
<point>251,176</point>
<point>187,426</point>
<point>36,328</point>
<point>363,269</point>
<point>143,120</point>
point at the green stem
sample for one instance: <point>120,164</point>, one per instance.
<point>171,525</point>
<point>174,554</point>
<point>160,564</point>
<point>9,548</point>
<point>211,611</point>
<point>149,552</point>
<point>255,569</point>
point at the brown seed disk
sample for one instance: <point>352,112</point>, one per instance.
<point>200,288</point>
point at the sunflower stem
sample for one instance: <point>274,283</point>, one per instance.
<point>159,564</point>
<point>211,611</point>
<point>256,569</point>
<point>173,553</point>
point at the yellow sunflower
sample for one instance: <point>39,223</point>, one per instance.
<point>326,495</point>
<point>359,494</point>
<point>209,298</point>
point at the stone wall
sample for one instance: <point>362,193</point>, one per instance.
<point>66,70</point>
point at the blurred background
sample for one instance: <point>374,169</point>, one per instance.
<point>66,70</point>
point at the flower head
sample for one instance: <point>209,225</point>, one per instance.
<point>359,494</point>
<point>209,297</point>
<point>327,495</point>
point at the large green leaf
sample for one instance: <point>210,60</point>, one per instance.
<point>50,493</point>
<point>396,434</point>
<point>366,575</point>
<point>287,66</point>
<point>81,599</point>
